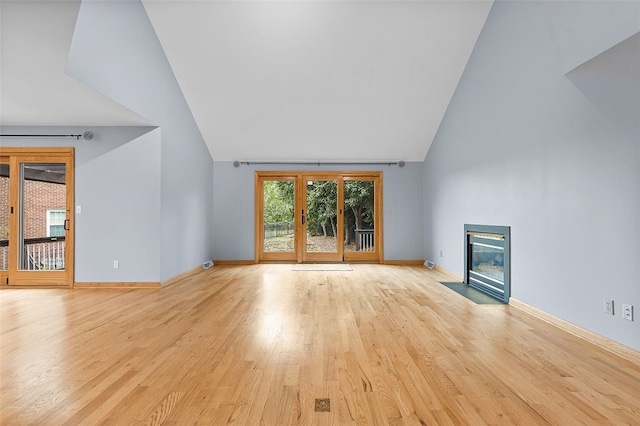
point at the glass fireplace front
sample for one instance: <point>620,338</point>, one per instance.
<point>487,259</point>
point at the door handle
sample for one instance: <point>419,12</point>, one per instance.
<point>303,216</point>
<point>67,222</point>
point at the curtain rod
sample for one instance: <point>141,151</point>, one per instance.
<point>88,135</point>
<point>317,163</point>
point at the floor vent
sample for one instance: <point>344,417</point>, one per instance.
<point>323,404</point>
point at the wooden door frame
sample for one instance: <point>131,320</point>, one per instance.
<point>299,178</point>
<point>41,155</point>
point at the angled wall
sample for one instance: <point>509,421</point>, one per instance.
<point>611,82</point>
<point>521,145</point>
<point>120,221</point>
<point>115,51</point>
<point>579,33</point>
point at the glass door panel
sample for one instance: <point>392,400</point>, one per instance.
<point>276,224</point>
<point>43,217</point>
<point>4,217</point>
<point>278,216</point>
<point>361,218</point>
<point>321,220</point>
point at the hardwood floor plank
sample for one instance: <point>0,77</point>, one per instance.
<point>257,344</point>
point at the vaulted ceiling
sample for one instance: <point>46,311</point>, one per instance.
<point>266,80</point>
<point>35,91</point>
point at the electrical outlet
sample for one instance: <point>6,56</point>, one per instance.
<point>608,306</point>
<point>627,312</point>
<point>116,264</point>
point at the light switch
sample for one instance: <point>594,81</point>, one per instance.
<point>78,209</point>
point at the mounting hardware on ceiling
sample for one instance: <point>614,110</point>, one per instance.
<point>87,135</point>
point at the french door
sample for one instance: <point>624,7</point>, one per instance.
<point>318,217</point>
<point>36,232</point>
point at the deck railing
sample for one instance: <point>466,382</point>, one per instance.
<point>44,254</point>
<point>365,240</point>
<point>4,256</point>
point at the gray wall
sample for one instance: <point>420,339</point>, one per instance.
<point>115,51</point>
<point>233,214</point>
<point>522,145</point>
<point>119,221</point>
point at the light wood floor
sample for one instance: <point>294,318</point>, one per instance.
<point>253,345</point>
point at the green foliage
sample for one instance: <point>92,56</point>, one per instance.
<point>359,207</point>
<point>278,201</point>
<point>321,205</point>
<point>321,209</point>
<point>359,197</point>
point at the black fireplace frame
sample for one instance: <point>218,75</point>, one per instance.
<point>503,293</point>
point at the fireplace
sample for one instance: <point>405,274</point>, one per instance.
<point>487,259</point>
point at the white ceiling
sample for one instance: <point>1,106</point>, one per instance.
<point>266,80</point>
<point>318,80</point>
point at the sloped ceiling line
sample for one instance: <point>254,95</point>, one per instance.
<point>611,82</point>
<point>271,80</point>
<point>581,34</point>
<point>36,91</point>
<point>325,81</point>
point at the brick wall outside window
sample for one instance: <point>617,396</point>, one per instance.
<point>39,197</point>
